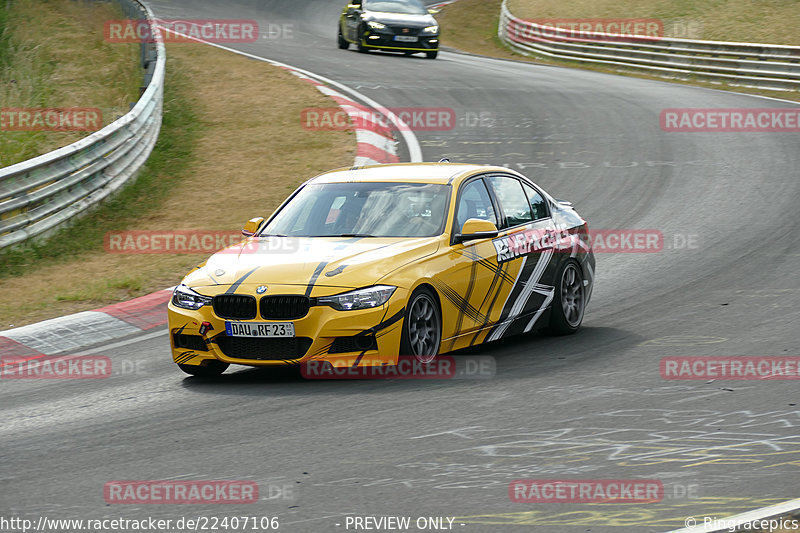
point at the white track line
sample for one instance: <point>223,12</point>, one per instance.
<point>414,150</point>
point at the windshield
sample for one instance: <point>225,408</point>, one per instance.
<point>363,210</point>
<point>408,7</point>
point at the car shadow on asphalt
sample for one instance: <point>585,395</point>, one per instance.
<point>521,357</point>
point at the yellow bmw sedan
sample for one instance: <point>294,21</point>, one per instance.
<point>362,265</point>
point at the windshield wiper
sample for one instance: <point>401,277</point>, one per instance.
<point>353,235</point>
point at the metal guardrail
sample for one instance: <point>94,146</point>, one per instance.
<point>40,195</point>
<point>764,66</point>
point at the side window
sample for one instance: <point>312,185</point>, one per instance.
<point>474,202</point>
<point>513,201</point>
<point>538,206</point>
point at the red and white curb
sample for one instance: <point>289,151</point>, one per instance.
<point>376,143</point>
<point>73,332</point>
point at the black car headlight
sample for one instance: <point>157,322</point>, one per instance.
<point>430,30</point>
<point>186,298</point>
<point>359,299</point>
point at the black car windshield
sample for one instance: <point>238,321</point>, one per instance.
<point>363,210</point>
<point>407,7</point>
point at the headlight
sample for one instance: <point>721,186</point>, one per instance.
<point>186,298</point>
<point>376,25</point>
<point>431,29</point>
<point>359,299</point>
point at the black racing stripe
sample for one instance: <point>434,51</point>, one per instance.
<point>322,351</point>
<point>457,300</point>
<point>391,320</point>
<point>215,280</point>
<point>495,288</point>
<point>384,331</point>
<point>232,288</point>
<point>185,356</point>
<point>358,359</point>
<point>470,287</point>
<point>496,268</point>
<point>314,276</point>
<point>213,340</point>
<point>526,311</point>
<point>524,277</point>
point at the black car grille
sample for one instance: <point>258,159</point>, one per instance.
<point>235,306</point>
<point>398,30</point>
<point>287,307</point>
<point>264,349</point>
<point>356,343</point>
<point>190,342</point>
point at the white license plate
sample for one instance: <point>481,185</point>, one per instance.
<point>405,38</point>
<point>259,329</point>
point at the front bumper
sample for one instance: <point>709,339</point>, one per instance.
<point>368,337</point>
<point>384,40</point>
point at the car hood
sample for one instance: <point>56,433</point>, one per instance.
<point>327,261</point>
<point>400,19</point>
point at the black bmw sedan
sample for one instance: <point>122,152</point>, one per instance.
<point>394,25</point>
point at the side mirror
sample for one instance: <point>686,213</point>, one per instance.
<point>356,4</point>
<point>475,228</point>
<point>251,226</point>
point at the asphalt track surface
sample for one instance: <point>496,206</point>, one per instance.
<point>590,406</point>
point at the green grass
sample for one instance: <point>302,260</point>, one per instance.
<point>53,54</point>
<point>172,154</point>
<point>98,290</point>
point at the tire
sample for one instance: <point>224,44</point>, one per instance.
<point>569,302</point>
<point>360,44</point>
<point>422,327</point>
<point>432,55</point>
<point>342,42</point>
<point>209,370</point>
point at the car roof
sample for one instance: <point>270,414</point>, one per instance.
<point>404,172</point>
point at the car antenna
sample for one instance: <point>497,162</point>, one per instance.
<point>444,160</point>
